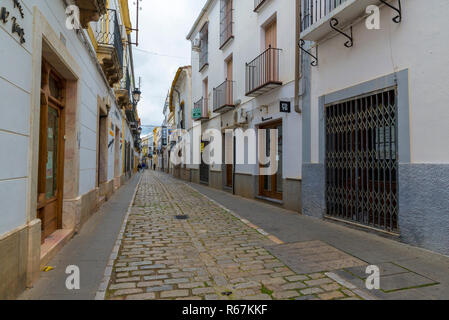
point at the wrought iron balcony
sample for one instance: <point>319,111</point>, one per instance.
<point>262,74</point>
<point>201,110</point>
<point>258,4</point>
<point>317,15</point>
<point>110,46</point>
<point>224,97</point>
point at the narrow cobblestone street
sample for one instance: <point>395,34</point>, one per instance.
<point>211,254</point>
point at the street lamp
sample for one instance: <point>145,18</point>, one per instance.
<point>136,94</point>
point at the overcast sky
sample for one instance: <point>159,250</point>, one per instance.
<point>162,49</point>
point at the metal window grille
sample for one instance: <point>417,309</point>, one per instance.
<point>362,161</point>
<point>225,21</point>
<point>204,47</point>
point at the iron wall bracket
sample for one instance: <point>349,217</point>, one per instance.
<point>315,57</point>
<point>398,18</point>
<point>334,23</point>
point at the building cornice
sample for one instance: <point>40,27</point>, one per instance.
<point>200,17</point>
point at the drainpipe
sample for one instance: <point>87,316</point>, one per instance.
<point>297,54</point>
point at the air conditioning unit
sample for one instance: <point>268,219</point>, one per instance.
<point>196,44</point>
<point>240,116</point>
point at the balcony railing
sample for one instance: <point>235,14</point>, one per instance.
<point>108,33</point>
<point>201,110</point>
<point>262,74</point>
<point>224,97</point>
<point>315,10</point>
<point>258,4</point>
<point>318,16</point>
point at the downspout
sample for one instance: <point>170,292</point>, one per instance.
<point>297,54</point>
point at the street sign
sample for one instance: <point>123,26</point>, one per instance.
<point>164,136</point>
<point>196,113</point>
<point>285,106</point>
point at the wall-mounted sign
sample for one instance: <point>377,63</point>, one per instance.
<point>164,136</point>
<point>6,17</point>
<point>196,113</point>
<point>285,106</point>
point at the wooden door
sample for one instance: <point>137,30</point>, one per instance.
<point>271,58</point>
<point>229,87</point>
<point>271,35</point>
<point>51,152</point>
<point>271,185</point>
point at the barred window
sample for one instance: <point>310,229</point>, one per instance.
<point>204,53</point>
<point>225,21</point>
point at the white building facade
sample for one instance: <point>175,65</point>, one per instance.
<point>243,70</point>
<point>375,118</point>
<point>67,142</point>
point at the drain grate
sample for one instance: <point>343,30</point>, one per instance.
<point>181,217</point>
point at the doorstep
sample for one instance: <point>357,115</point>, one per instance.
<point>272,200</point>
<point>53,243</point>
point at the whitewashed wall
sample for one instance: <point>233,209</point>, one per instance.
<point>248,43</point>
<point>15,93</point>
<point>15,90</point>
<point>417,44</point>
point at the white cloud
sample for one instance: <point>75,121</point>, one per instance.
<point>162,49</point>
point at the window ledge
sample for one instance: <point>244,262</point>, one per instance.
<point>229,40</point>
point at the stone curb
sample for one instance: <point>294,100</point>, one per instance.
<point>349,285</point>
<point>101,292</point>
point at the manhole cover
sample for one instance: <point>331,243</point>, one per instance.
<point>181,217</point>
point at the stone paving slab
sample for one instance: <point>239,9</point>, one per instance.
<point>314,256</point>
<point>404,281</point>
<point>212,255</point>
<point>386,269</point>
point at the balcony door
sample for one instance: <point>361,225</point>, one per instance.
<point>51,152</point>
<point>229,77</point>
<point>271,57</point>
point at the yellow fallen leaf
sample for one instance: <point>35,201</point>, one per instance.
<point>47,268</point>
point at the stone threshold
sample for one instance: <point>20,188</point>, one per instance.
<point>276,201</point>
<point>54,243</point>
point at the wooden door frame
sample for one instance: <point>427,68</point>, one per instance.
<point>60,106</point>
<point>262,192</point>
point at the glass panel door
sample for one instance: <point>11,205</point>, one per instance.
<point>51,174</point>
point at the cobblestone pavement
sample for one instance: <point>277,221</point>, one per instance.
<point>212,255</point>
